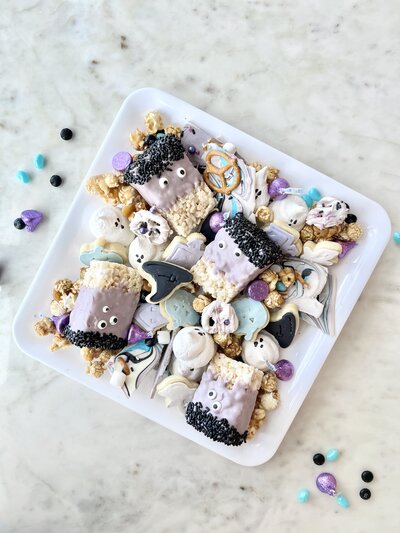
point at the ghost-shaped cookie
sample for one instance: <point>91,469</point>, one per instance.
<point>142,250</point>
<point>263,350</point>
<point>110,224</point>
<point>292,210</point>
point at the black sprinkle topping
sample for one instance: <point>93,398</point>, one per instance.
<point>213,428</point>
<point>106,341</point>
<point>154,160</point>
<point>252,241</point>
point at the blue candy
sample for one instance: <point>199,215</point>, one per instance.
<point>315,194</point>
<point>396,237</point>
<point>280,286</point>
<point>342,501</point>
<point>332,455</point>
<point>308,200</point>
<point>40,161</point>
<point>303,495</point>
<point>23,176</point>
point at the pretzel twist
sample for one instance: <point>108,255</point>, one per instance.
<point>220,172</point>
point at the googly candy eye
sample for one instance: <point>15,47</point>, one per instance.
<point>222,245</point>
<point>106,309</point>
<point>216,406</point>
<point>212,394</point>
<point>163,183</point>
<point>101,324</point>
<point>181,172</point>
<point>238,252</point>
<point>113,320</point>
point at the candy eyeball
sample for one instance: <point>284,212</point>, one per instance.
<point>222,245</point>
<point>163,183</point>
<point>106,309</point>
<point>238,252</point>
<point>212,394</point>
<point>181,172</point>
<point>113,320</point>
<point>216,406</point>
<point>101,324</point>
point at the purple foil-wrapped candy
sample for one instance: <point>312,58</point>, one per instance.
<point>32,219</point>
<point>257,290</point>
<point>60,322</point>
<point>346,247</point>
<point>284,370</point>
<point>326,483</point>
<point>137,334</point>
<point>121,161</point>
<point>217,220</point>
<point>275,187</point>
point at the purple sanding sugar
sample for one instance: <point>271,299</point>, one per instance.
<point>60,322</point>
<point>257,290</point>
<point>121,161</point>
<point>275,187</point>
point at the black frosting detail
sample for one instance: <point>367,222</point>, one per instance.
<point>252,241</point>
<point>90,339</point>
<point>284,329</point>
<point>214,428</point>
<point>154,160</point>
<point>166,278</point>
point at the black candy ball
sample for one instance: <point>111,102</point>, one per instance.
<point>367,476</point>
<point>350,219</point>
<point>55,180</point>
<point>148,140</point>
<point>66,134</point>
<point>19,223</point>
<point>318,459</point>
<point>365,494</point>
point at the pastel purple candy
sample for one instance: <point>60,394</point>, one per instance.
<point>257,290</point>
<point>121,161</point>
<point>217,220</point>
<point>346,247</point>
<point>284,370</point>
<point>32,219</point>
<point>326,483</point>
<point>275,187</point>
<point>137,334</point>
<point>60,322</point>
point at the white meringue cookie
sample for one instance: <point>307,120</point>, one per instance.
<point>142,250</point>
<point>328,212</point>
<point>292,210</point>
<point>194,347</point>
<point>264,349</point>
<point>177,367</point>
<point>109,223</point>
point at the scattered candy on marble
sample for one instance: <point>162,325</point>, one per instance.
<point>32,219</point>
<point>332,455</point>
<point>326,483</point>
<point>55,180</point>
<point>396,237</point>
<point>303,495</point>
<point>23,176</point>
<point>257,290</point>
<point>275,187</point>
<point>284,370</point>
<point>19,223</point>
<point>365,494</point>
<point>121,161</point>
<point>39,161</point>
<point>367,476</point>
<point>66,134</point>
<point>318,459</point>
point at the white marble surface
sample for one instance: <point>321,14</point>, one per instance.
<point>318,80</point>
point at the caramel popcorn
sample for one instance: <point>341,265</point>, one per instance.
<point>312,233</point>
<point>231,344</point>
<point>95,368</point>
<point>270,277</point>
<point>59,342</point>
<point>256,165</point>
<point>136,138</point>
<point>269,382</point>
<point>269,400</point>
<point>274,300</point>
<point>272,173</point>
<point>201,302</point>
<point>61,288</point>
<point>264,215</point>
<point>173,130</point>
<point>287,276</point>
<point>153,121</point>
<point>56,308</point>
<point>44,326</point>
<point>112,190</point>
<point>351,232</point>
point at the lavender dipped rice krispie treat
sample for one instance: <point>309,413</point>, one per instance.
<point>239,253</point>
<point>223,403</point>
<point>105,306</point>
<point>167,179</point>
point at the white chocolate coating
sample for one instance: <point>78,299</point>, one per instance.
<point>194,347</point>
<point>109,223</point>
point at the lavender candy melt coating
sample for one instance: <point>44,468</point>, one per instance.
<point>61,322</point>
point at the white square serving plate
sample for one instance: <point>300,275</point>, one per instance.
<point>310,347</point>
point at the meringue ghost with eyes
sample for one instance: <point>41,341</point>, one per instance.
<point>142,250</point>
<point>110,224</point>
<point>292,210</point>
<point>263,350</point>
<point>194,347</point>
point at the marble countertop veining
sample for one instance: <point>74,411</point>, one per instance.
<point>318,80</point>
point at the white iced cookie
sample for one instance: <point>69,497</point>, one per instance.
<point>323,252</point>
<point>178,367</point>
<point>194,347</point>
<point>177,391</point>
<point>219,317</point>
<point>142,250</point>
<point>264,349</point>
<point>328,212</point>
<point>150,226</point>
<point>292,211</point>
<point>110,224</point>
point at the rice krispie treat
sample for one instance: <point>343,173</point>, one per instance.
<point>167,180</point>
<point>223,404</point>
<point>105,306</point>
<point>239,253</point>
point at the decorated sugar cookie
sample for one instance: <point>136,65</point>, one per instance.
<point>164,278</point>
<point>166,179</point>
<point>253,316</point>
<point>287,238</point>
<point>101,250</point>
<point>323,252</point>
<point>177,391</point>
<point>178,310</point>
<point>149,318</point>
<point>185,252</point>
<point>284,323</point>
